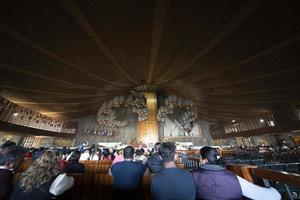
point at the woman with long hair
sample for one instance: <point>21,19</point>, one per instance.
<point>40,180</point>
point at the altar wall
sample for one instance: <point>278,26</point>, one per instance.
<point>125,135</point>
<point>171,130</point>
<point>200,133</point>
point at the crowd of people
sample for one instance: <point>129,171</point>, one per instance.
<point>48,178</point>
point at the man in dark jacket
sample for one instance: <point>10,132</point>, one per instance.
<point>154,162</point>
<point>127,176</point>
<point>172,182</point>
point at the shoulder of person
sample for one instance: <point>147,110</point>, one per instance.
<point>155,177</point>
<point>61,183</point>
<point>140,164</point>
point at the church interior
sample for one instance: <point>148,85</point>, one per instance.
<point>99,76</point>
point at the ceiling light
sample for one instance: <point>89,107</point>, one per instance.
<point>15,114</point>
<point>261,120</point>
<point>233,121</point>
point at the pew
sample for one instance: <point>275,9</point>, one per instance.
<point>98,168</point>
<point>284,180</point>
<point>100,186</point>
<point>96,186</point>
<point>95,162</point>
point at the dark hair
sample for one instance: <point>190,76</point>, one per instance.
<point>12,155</point>
<point>8,143</point>
<point>210,154</point>
<point>137,152</point>
<point>105,152</point>
<point>156,147</point>
<point>167,151</point>
<point>75,156</point>
<point>128,152</point>
<point>142,151</point>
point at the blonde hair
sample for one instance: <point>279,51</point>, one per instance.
<point>41,171</point>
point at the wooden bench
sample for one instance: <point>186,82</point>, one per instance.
<point>100,186</point>
<point>98,168</point>
<point>254,174</point>
<point>94,162</point>
<point>90,186</point>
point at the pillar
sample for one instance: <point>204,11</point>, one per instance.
<point>148,129</point>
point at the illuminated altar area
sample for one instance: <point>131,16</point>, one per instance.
<point>142,118</point>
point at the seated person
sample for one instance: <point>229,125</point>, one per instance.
<point>154,162</point>
<point>42,180</point>
<point>81,147</point>
<point>139,156</point>
<point>96,155</point>
<point>215,182</point>
<point>127,175</point>
<point>105,155</point>
<point>172,182</point>
<point>85,155</point>
<point>74,166</point>
<point>28,155</point>
<point>8,161</point>
<point>63,161</point>
<point>118,157</point>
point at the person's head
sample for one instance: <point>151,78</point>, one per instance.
<point>8,143</point>
<point>137,152</point>
<point>142,150</point>
<point>5,147</point>
<point>105,152</point>
<point>128,152</point>
<point>120,151</point>
<point>75,156</point>
<point>41,171</point>
<point>41,149</point>
<point>167,151</point>
<point>11,157</point>
<point>28,155</point>
<point>156,146</point>
<point>209,155</point>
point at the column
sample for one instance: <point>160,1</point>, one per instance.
<point>148,129</point>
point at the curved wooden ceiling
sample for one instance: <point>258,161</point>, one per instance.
<point>233,58</point>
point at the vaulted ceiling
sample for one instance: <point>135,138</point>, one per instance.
<point>232,58</point>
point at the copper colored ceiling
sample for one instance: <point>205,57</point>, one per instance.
<point>233,58</point>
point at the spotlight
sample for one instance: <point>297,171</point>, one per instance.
<point>15,114</point>
<point>261,120</point>
<point>233,121</point>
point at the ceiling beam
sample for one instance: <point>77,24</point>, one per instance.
<point>241,62</point>
<point>84,24</point>
<point>253,92</point>
<point>21,38</point>
<point>159,20</point>
<point>234,23</point>
<point>262,76</point>
<point>48,78</point>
